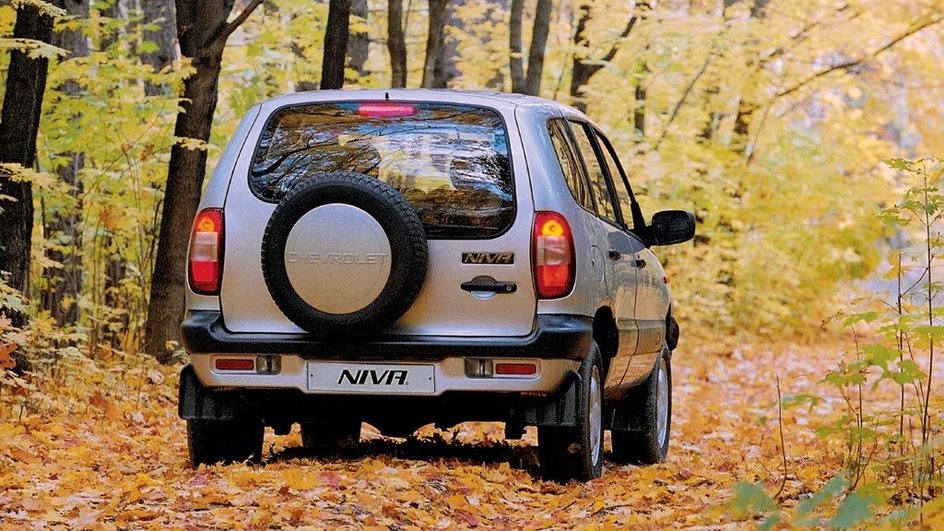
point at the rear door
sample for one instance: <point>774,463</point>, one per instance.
<point>652,294</point>
<point>618,249</point>
<point>460,165</point>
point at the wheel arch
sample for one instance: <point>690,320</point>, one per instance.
<point>606,336</point>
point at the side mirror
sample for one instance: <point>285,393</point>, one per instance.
<point>672,226</point>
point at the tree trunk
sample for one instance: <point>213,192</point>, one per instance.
<point>584,69</point>
<point>358,44</point>
<point>335,44</point>
<point>63,225</point>
<point>445,68</point>
<point>202,31</point>
<point>740,141</point>
<point>161,14</point>
<point>112,11</point>
<point>516,61</point>
<point>639,113</point>
<point>542,17</point>
<point>434,39</point>
<point>396,44</point>
<point>19,124</point>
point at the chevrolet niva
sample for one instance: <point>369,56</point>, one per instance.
<point>406,257</point>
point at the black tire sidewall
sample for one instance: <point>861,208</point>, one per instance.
<point>555,443</point>
<point>405,233</point>
<point>224,441</point>
<point>641,444</point>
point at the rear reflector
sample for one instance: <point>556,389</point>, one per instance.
<point>385,110</point>
<point>553,248</point>
<point>235,364</point>
<point>521,369</point>
<point>206,252</point>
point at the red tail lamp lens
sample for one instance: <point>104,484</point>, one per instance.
<point>385,110</point>
<point>206,252</point>
<point>517,369</point>
<point>553,255</point>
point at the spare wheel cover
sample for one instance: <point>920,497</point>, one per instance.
<point>344,252</point>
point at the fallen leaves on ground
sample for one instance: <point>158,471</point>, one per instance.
<point>121,462</point>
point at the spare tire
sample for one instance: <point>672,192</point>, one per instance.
<point>344,253</point>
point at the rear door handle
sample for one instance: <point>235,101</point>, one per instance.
<point>639,263</point>
<point>614,254</point>
<point>487,283</point>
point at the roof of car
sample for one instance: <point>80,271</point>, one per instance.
<point>490,99</point>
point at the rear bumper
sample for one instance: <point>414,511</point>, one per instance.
<point>554,337</point>
<point>284,406</point>
<point>448,375</point>
<point>557,347</point>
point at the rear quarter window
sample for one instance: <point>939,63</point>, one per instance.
<point>569,164</point>
<point>451,162</point>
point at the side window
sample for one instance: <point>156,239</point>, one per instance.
<point>569,164</point>
<point>598,186</point>
<point>619,182</point>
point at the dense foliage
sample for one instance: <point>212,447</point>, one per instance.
<point>769,119</point>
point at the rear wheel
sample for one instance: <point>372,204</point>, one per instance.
<point>224,441</point>
<point>326,435</point>
<point>577,452</point>
<point>643,418</point>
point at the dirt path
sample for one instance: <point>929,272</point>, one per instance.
<point>125,466</point>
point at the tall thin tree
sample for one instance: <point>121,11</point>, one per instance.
<point>434,39</point>
<point>586,67</point>
<point>335,44</point>
<point>63,223</point>
<point>446,68</point>
<point>358,42</point>
<point>396,43</point>
<point>528,82</point>
<point>202,30</point>
<point>19,125</point>
<point>159,14</point>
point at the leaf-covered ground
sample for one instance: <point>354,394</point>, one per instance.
<point>121,463</point>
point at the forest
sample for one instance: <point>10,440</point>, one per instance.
<point>806,136</point>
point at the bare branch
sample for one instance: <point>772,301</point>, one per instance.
<point>238,21</point>
<point>846,65</point>
<point>681,101</point>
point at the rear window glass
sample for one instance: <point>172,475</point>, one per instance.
<point>450,162</point>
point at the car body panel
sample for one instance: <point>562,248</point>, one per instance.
<point>442,307</point>
<point>636,296</point>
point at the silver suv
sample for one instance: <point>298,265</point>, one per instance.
<point>406,257</point>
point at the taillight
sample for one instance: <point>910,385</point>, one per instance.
<point>206,252</point>
<point>553,255</point>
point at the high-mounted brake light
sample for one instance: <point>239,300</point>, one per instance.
<point>206,252</point>
<point>385,110</point>
<point>553,250</point>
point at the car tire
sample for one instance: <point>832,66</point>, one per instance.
<point>329,435</point>
<point>576,453</point>
<point>643,419</point>
<point>224,441</point>
<point>399,221</point>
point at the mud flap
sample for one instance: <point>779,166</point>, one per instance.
<point>560,410</point>
<point>198,402</point>
<point>672,333</point>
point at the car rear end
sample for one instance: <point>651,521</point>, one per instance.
<point>469,346</point>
